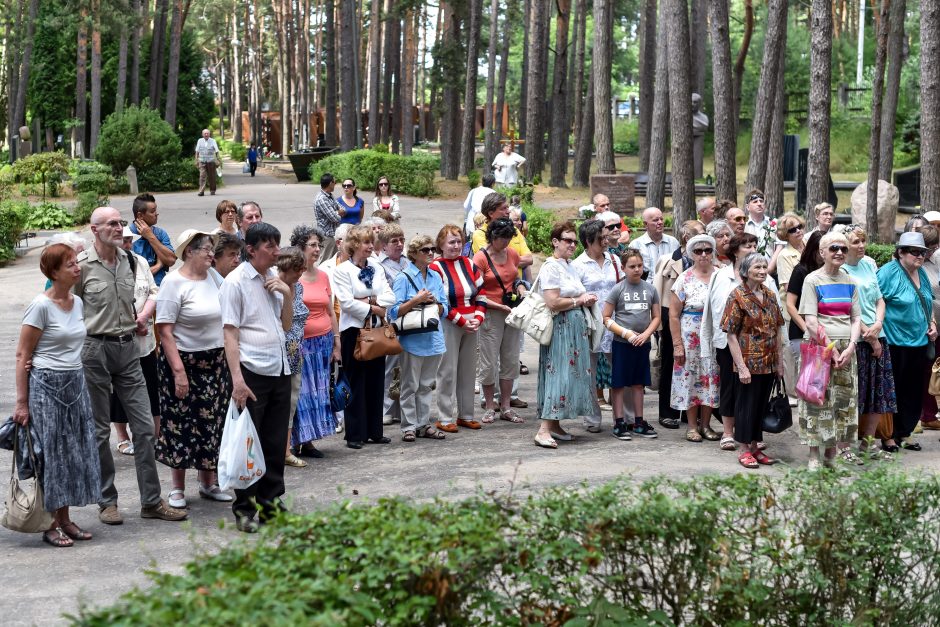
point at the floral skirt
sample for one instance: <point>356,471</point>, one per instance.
<point>696,382</point>
<point>314,419</point>
<point>566,382</point>
<point>191,427</point>
<point>837,419</point>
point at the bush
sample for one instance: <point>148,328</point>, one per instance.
<point>91,176</point>
<point>524,192</point>
<point>238,151</point>
<point>412,175</point>
<point>473,178</point>
<point>170,176</point>
<point>540,221</point>
<point>46,216</point>
<point>139,137</point>
<point>87,203</point>
<point>881,253</point>
<point>44,168</point>
<point>12,222</point>
<point>803,549</point>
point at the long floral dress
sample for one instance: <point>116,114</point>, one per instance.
<point>695,383</point>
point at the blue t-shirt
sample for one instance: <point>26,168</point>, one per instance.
<point>420,344</point>
<point>353,214</point>
<point>905,320</point>
<point>143,248</point>
<point>252,155</point>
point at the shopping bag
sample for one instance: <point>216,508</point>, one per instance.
<point>246,168</point>
<point>815,368</point>
<point>241,462</point>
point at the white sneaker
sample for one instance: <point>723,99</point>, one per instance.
<point>215,493</point>
<point>176,499</point>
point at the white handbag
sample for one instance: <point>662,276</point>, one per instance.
<point>533,316</point>
<point>25,511</point>
<point>421,319</point>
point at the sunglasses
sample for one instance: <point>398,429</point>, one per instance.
<point>703,251</point>
<point>795,229</point>
<point>916,252</point>
<point>754,197</point>
<point>348,185</point>
<point>739,219</point>
<point>427,250</point>
<point>835,248</point>
<point>611,227</point>
<point>569,240</point>
<point>383,184</point>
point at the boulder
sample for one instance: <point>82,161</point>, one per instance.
<point>888,199</point>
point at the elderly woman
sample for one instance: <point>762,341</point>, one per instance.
<point>462,282</point>
<point>351,202</point>
<point>754,327</point>
<point>566,381</point>
<point>830,308</point>
<point>721,232</point>
<point>228,255</point>
<point>825,215</point>
<point>194,379</point>
<point>392,243</point>
<point>790,230</point>
<point>599,271</point>
<point>384,199</point>
<point>51,392</point>
<point>694,378</point>
<point>363,294</point>
<point>319,347</point>
<point>225,214</point>
<point>618,236</point>
<point>416,287</point>
<point>875,377</point>
<point>499,343</point>
<point>909,328</point>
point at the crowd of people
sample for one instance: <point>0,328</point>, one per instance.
<point>156,336</point>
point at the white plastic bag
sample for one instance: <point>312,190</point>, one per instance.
<point>241,462</point>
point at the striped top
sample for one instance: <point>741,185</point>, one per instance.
<point>833,299</point>
<point>462,283</point>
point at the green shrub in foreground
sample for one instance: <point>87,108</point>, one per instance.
<point>803,549</point>
<point>12,222</point>
<point>881,253</point>
<point>412,176</point>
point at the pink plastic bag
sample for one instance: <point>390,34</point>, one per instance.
<point>815,368</point>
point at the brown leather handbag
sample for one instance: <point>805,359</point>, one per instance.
<point>374,342</point>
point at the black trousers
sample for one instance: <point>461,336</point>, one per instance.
<point>750,405</point>
<point>363,417</point>
<point>253,167</point>
<point>665,378</point>
<point>910,366</point>
<point>269,412</point>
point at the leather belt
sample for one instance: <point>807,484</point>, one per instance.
<point>118,339</point>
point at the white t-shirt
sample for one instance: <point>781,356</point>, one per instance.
<point>194,310</point>
<point>557,274</point>
<point>63,333</point>
<point>506,167</point>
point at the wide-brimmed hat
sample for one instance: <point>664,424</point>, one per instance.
<point>186,237</point>
<point>129,233</point>
<point>911,240</point>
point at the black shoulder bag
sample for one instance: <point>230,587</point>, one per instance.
<point>510,299</point>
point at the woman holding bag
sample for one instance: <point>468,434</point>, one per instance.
<point>53,395</point>
<point>363,294</point>
<point>566,380</point>
<point>830,308</point>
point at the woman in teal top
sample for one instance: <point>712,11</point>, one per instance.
<point>876,395</point>
<point>908,327</point>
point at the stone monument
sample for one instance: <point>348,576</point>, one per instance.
<point>699,126</point>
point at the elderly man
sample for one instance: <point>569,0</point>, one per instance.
<point>736,220</point>
<point>207,156</point>
<point>473,205</point>
<point>110,360</point>
<point>706,210</point>
<point>248,213</point>
<point>154,243</point>
<point>655,242</point>
<point>328,214</point>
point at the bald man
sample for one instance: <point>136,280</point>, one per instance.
<point>655,242</point>
<point>736,219</point>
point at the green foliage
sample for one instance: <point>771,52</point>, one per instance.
<point>7,181</point>
<point>12,223</point>
<point>380,147</point>
<point>540,221</point>
<point>169,176</point>
<point>881,253</point>
<point>803,549</point>
<point>91,176</point>
<point>45,168</point>
<point>238,152</point>
<point>473,178</point>
<point>524,192</point>
<point>87,203</point>
<point>907,144</point>
<point>137,136</point>
<point>46,216</point>
<point>412,175</point>
<point>626,137</point>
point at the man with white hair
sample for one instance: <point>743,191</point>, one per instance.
<point>655,242</point>
<point>705,208</point>
<point>207,156</point>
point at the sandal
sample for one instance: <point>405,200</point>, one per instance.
<point>709,434</point>
<point>408,436</point>
<point>75,532</point>
<point>489,416</point>
<point>747,460</point>
<point>432,433</point>
<point>727,444</point>
<point>764,459</point>
<point>57,538</point>
<point>294,461</point>
<point>128,447</point>
<point>545,442</point>
<point>510,415</point>
<point>693,436</point>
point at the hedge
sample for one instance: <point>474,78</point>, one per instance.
<point>541,221</point>
<point>802,549</point>
<point>12,222</point>
<point>412,175</point>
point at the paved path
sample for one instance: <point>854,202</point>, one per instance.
<point>40,583</point>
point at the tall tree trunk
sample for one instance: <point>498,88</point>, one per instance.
<point>511,12</point>
<point>173,72</point>
<point>490,140</point>
<point>347,60</point>
<point>535,98</point>
<point>81,91</point>
<point>120,91</point>
<point>95,118</point>
<point>648,77</point>
<point>375,66</point>
<point>579,74</point>
<point>680,111</point>
<point>581,176</point>
<point>820,103</point>
<point>19,115</point>
<point>394,69</point>
<point>156,53</point>
<point>330,130</point>
<point>523,114</point>
<point>467,135</point>
<point>874,146</point>
<point>559,129</point>
<point>773,182</point>
<point>12,27</point>
<point>601,66</point>
<point>741,58</point>
<point>764,104</point>
<point>698,33</point>
<point>659,134</point>
<point>726,186</point>
<point>892,87</point>
<point>237,83</point>
<point>450,92</point>
<point>409,55</point>
<point>391,26</point>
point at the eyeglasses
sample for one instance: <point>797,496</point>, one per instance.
<point>795,229</point>
<point>703,251</point>
<point>754,197</point>
<point>427,250</point>
<point>569,240</point>
<point>232,211</point>
<point>348,185</point>
<point>316,244</point>
<point>916,252</point>
<point>113,224</point>
<point>209,250</point>
<point>835,248</point>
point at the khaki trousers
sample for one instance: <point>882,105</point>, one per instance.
<point>455,377</point>
<point>417,385</point>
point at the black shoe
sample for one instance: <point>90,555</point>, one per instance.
<point>622,431</point>
<point>669,423</point>
<point>309,450</point>
<point>247,525</point>
<point>891,448</point>
<point>201,194</point>
<point>382,440</point>
<point>910,445</point>
<point>355,445</point>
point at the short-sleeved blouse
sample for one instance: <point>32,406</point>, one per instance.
<point>756,324</point>
<point>865,273</point>
<point>691,290</point>
<point>557,274</point>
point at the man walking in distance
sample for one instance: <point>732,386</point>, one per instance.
<point>256,311</point>
<point>110,360</point>
<point>328,213</point>
<point>154,243</point>
<point>207,154</point>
